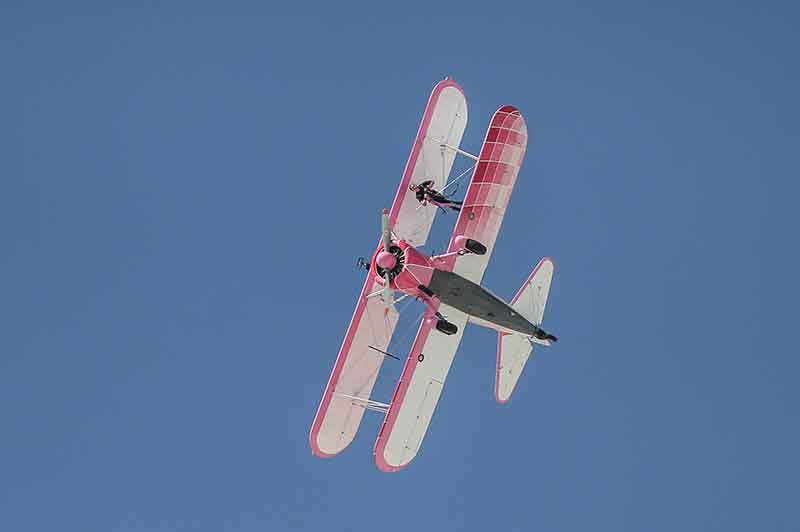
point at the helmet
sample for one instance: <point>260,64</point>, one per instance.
<point>412,186</point>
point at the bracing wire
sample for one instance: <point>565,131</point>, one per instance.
<point>454,181</point>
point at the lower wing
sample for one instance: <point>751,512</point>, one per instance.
<point>354,373</point>
<point>418,391</point>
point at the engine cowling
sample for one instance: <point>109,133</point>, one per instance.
<point>391,262</point>
<point>407,267</point>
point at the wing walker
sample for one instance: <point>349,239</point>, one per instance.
<point>447,284</point>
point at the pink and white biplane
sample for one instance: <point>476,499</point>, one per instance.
<point>448,285</point>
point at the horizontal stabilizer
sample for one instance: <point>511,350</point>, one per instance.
<point>532,297</point>
<point>513,350</point>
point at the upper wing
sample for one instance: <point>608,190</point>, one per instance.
<point>353,374</point>
<point>490,189</point>
<point>443,121</point>
<point>417,392</point>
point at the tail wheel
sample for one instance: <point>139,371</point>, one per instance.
<point>446,327</point>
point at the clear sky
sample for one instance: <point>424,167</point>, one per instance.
<point>185,187</point>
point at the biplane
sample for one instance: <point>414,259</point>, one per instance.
<point>448,285</point>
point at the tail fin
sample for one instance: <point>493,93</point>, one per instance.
<point>513,350</point>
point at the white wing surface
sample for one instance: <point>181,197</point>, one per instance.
<point>354,373</point>
<point>417,392</point>
<point>443,122</point>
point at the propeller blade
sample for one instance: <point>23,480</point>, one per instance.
<point>388,292</point>
<point>386,230</point>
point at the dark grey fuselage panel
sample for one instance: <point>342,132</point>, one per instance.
<point>474,300</point>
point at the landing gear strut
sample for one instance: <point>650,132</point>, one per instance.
<point>442,325</point>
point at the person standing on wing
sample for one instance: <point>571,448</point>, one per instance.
<point>425,194</point>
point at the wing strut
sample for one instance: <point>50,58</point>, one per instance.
<point>366,404</point>
<point>460,151</point>
<point>456,180</point>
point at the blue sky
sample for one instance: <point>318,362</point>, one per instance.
<point>185,189</point>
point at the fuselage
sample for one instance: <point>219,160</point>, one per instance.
<point>431,279</point>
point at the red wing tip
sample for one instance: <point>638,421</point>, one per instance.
<point>501,401</point>
<point>315,450</point>
<point>508,109</point>
<point>321,454</point>
<point>386,467</point>
<point>447,82</point>
<point>380,459</point>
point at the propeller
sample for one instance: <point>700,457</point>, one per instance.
<point>385,230</point>
<point>386,259</point>
<point>388,292</point>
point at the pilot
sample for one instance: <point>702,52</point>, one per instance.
<point>425,194</point>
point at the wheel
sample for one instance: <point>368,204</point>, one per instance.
<point>446,327</point>
<point>473,246</point>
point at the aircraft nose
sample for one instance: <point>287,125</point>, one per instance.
<point>386,260</point>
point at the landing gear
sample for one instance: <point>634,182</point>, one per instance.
<point>473,246</point>
<point>444,326</point>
